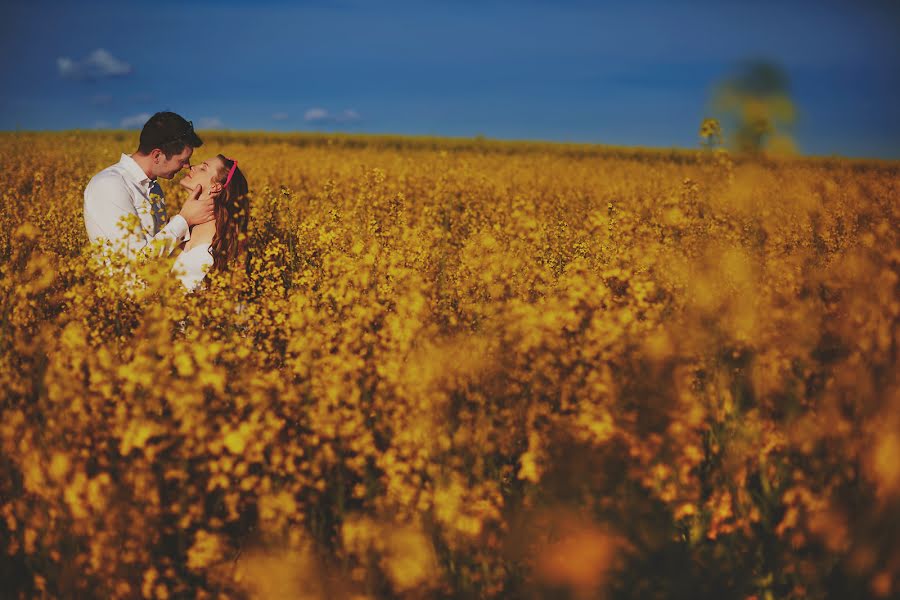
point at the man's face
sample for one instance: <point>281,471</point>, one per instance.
<point>168,167</point>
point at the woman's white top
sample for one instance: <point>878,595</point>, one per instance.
<point>192,265</point>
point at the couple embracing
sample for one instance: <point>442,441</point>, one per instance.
<point>211,228</point>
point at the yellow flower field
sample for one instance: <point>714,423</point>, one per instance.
<point>458,369</point>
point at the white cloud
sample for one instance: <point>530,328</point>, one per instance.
<point>316,114</point>
<point>135,121</point>
<point>210,123</point>
<point>99,64</point>
<point>321,115</point>
<point>280,116</point>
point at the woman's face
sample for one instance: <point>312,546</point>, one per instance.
<point>206,174</point>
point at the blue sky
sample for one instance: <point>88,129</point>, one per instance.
<point>633,73</point>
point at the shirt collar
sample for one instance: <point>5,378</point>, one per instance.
<point>134,170</point>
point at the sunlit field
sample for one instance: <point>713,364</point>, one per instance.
<point>458,369</point>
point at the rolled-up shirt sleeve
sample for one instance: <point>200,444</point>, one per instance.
<point>109,214</point>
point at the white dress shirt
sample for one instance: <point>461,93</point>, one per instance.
<point>191,266</point>
<point>124,189</point>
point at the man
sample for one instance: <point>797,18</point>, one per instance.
<point>129,191</point>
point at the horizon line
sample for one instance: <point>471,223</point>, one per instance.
<point>478,138</point>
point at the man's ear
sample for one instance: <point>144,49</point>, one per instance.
<point>155,155</point>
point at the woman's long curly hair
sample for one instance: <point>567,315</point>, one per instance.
<point>232,214</point>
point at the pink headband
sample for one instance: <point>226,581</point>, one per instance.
<point>230,173</point>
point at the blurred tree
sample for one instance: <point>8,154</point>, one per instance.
<point>756,106</point>
<point>710,133</point>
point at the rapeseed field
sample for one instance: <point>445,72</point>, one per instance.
<point>458,369</point>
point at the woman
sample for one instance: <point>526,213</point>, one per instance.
<point>216,245</point>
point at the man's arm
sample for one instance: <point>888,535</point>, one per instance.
<point>110,214</point>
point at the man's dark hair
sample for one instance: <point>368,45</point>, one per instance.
<point>170,133</point>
